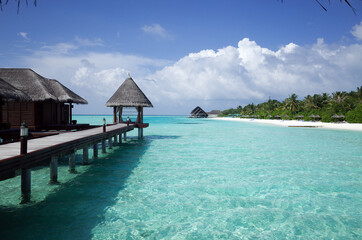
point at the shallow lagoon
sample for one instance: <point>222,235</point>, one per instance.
<point>199,179</point>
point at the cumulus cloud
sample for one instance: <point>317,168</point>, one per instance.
<point>23,35</point>
<point>357,31</point>
<point>156,30</point>
<point>250,72</point>
<point>213,79</point>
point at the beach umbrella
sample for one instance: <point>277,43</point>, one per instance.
<point>312,116</point>
<point>341,116</point>
<point>270,116</point>
<point>335,116</point>
<point>317,117</point>
<point>299,116</point>
<point>277,116</point>
<point>286,116</point>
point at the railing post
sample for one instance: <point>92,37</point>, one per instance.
<point>25,172</point>
<point>104,125</point>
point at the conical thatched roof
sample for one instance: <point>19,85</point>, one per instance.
<point>8,92</point>
<point>198,112</point>
<point>37,87</point>
<point>129,95</point>
<point>196,109</point>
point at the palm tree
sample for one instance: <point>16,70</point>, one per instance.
<point>339,97</point>
<point>359,94</point>
<point>292,103</point>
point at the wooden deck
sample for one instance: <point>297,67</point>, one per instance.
<point>41,149</point>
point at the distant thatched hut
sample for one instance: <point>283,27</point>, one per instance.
<point>129,95</point>
<point>49,102</point>
<point>214,113</point>
<point>198,113</point>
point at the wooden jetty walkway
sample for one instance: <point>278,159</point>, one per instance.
<point>49,149</point>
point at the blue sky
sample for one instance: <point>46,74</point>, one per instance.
<point>216,54</point>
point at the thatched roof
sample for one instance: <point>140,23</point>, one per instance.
<point>129,95</point>
<point>214,112</point>
<point>63,93</point>
<point>196,109</point>
<point>198,112</point>
<point>37,87</point>
<point>8,92</point>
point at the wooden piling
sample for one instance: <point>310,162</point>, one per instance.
<point>140,133</point>
<point>125,136</point>
<point>115,140</point>
<point>71,158</point>
<point>53,170</point>
<point>104,146</point>
<point>95,150</point>
<point>25,185</point>
<point>85,155</point>
<point>110,143</point>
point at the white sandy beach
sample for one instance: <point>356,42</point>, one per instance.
<point>295,123</point>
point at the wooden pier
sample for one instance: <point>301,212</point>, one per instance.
<point>49,149</point>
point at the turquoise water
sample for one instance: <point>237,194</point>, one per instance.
<point>199,179</point>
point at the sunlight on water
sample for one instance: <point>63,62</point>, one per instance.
<point>199,179</point>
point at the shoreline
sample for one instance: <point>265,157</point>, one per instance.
<point>296,123</point>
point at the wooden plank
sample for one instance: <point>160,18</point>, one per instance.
<point>41,149</point>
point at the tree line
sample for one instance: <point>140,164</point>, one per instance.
<point>347,105</point>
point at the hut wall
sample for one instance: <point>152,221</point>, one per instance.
<point>65,113</point>
<point>15,113</point>
<point>35,114</point>
<point>51,113</point>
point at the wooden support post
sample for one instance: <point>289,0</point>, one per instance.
<point>110,143</point>
<point>95,150</point>
<point>70,112</point>
<point>104,146</point>
<point>139,133</point>
<point>114,114</point>
<point>25,185</point>
<point>85,155</point>
<point>115,140</point>
<point>125,136</point>
<point>71,159</point>
<point>53,170</point>
<point>120,114</point>
<point>120,138</point>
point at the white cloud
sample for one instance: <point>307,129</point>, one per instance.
<point>357,31</point>
<point>89,42</point>
<point>66,48</point>
<point>227,77</point>
<point>23,35</point>
<point>60,48</point>
<point>250,72</point>
<point>156,30</point>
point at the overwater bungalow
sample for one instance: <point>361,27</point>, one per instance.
<point>198,112</point>
<point>129,95</point>
<point>48,102</point>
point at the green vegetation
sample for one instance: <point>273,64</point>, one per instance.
<point>348,106</point>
